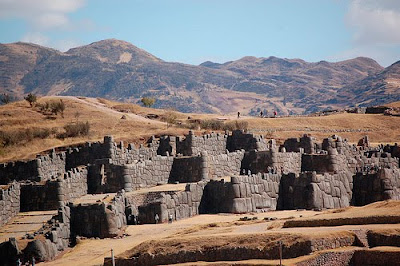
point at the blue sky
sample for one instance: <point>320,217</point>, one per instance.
<point>194,31</point>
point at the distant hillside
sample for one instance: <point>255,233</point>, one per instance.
<point>376,89</point>
<point>120,71</point>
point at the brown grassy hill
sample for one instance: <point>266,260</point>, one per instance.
<point>120,71</point>
<point>31,132</point>
<point>17,60</point>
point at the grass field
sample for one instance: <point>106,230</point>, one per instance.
<point>128,122</point>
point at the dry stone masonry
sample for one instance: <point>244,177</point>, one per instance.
<point>99,188</point>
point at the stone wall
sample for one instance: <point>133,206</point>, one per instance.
<point>306,143</point>
<point>320,163</point>
<point>226,164</point>
<point>147,173</point>
<point>394,150</point>
<point>39,196</point>
<point>104,219</point>
<point>271,161</point>
<point>330,190</point>
<point>105,177</point>
<point>90,152</point>
<point>254,193</point>
<point>49,195</point>
<point>239,140</point>
<point>72,185</point>
<point>47,243</point>
<point>183,204</point>
<point>310,190</point>
<point>191,145</point>
<point>188,169</point>
<point>375,186</point>
<point>178,204</point>
<point>9,202</point>
<point>44,167</point>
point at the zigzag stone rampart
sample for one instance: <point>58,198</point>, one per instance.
<point>231,173</point>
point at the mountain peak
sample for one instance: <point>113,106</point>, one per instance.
<point>114,51</point>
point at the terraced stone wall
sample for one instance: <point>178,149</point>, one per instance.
<point>178,204</point>
<point>191,145</point>
<point>271,161</point>
<point>239,140</point>
<point>226,164</point>
<point>105,177</point>
<point>305,144</point>
<point>43,168</point>
<point>103,219</point>
<point>90,152</point>
<point>50,195</point>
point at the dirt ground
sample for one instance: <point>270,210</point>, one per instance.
<point>205,227</point>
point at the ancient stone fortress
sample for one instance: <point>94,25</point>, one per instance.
<point>99,188</point>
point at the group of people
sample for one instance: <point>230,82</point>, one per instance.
<point>157,218</point>
<point>262,114</point>
<point>265,113</point>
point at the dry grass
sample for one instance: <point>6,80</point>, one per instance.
<point>105,116</point>
<point>103,121</point>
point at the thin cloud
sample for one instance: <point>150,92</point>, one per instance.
<point>36,37</point>
<point>374,22</point>
<point>41,14</point>
<point>374,25</point>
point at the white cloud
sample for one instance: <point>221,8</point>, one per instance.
<point>41,14</point>
<point>41,39</point>
<point>375,21</point>
<point>375,29</point>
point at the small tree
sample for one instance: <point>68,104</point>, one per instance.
<point>170,118</point>
<point>57,107</point>
<point>5,98</point>
<point>31,99</point>
<point>147,101</point>
<point>61,107</point>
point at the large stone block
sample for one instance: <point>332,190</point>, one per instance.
<point>239,205</point>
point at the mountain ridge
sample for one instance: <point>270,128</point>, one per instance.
<point>121,71</point>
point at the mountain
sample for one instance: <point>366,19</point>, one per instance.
<point>121,71</point>
<point>377,89</point>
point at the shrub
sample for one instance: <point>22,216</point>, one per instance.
<point>211,124</point>
<point>58,107</point>
<point>236,125</point>
<point>6,98</point>
<point>31,99</point>
<point>147,101</point>
<point>52,108</point>
<point>170,117</point>
<point>8,138</point>
<point>75,130</point>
